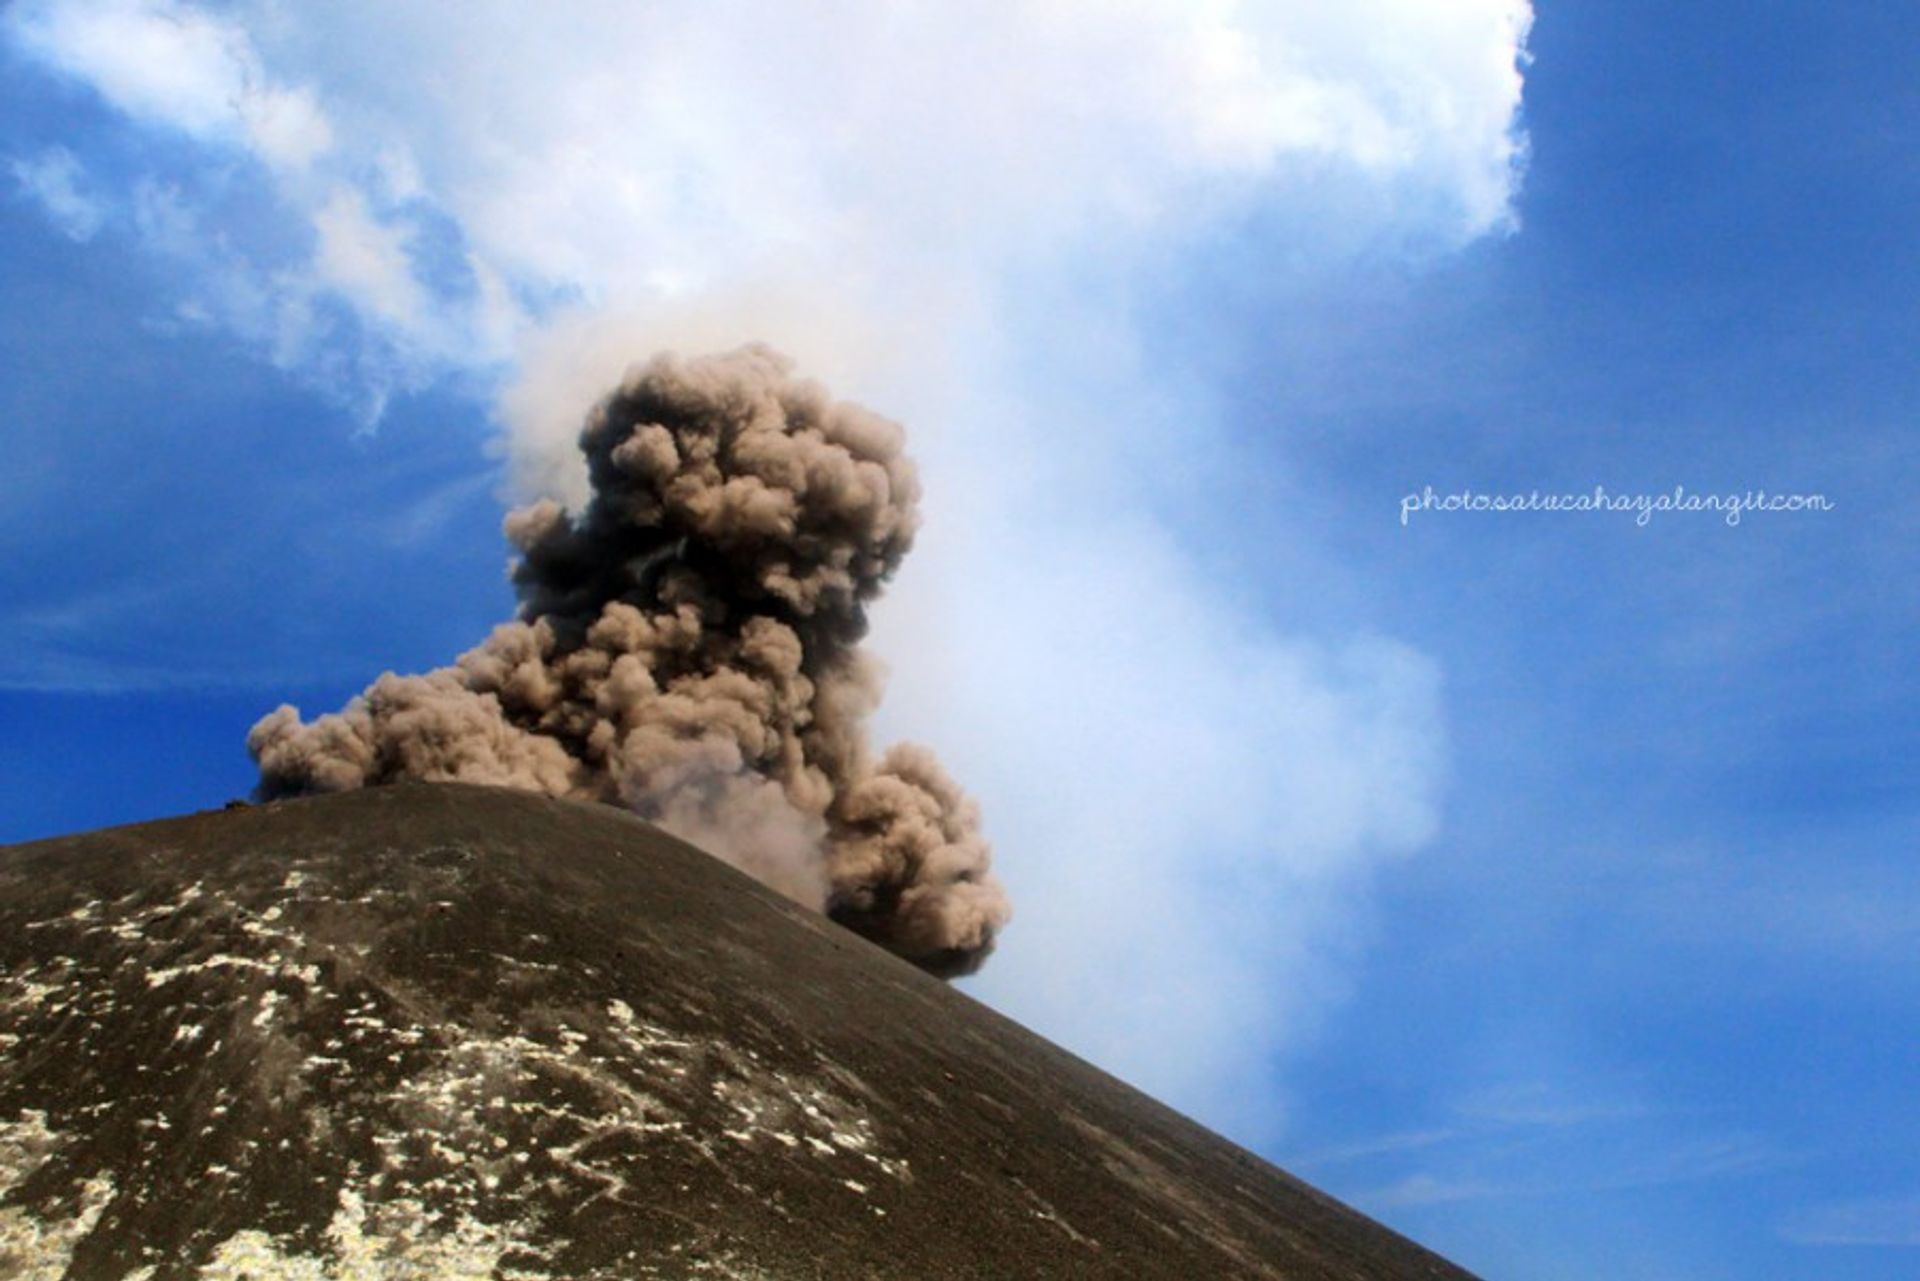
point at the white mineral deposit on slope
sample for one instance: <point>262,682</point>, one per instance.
<point>33,1248</point>
<point>623,1076</point>
<point>397,1241</point>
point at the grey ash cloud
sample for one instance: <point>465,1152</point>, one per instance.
<point>688,646</point>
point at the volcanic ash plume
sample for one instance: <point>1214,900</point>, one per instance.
<point>688,646</point>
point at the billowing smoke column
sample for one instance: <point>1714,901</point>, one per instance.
<point>688,646</point>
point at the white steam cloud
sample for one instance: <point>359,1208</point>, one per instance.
<point>537,197</point>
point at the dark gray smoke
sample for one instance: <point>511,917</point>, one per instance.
<point>688,646</point>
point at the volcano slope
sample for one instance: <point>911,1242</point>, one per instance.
<point>441,1031</point>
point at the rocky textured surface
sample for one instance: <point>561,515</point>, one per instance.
<point>445,1032</point>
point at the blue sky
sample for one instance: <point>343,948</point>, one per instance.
<point>1538,882</point>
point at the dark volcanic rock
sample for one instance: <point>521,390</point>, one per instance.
<point>452,1032</point>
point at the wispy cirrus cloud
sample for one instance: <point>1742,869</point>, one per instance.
<point>1530,1139</point>
<point>1541,1104</point>
<point>1883,1220</point>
